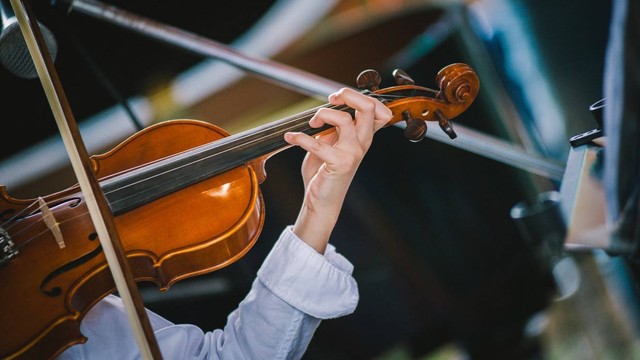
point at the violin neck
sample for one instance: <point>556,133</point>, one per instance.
<point>142,185</point>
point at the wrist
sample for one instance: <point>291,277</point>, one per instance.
<point>314,227</point>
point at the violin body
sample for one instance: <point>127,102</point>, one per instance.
<point>46,290</point>
<point>185,200</point>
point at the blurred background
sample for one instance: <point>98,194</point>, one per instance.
<point>442,268</point>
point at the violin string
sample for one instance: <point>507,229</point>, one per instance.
<point>16,223</point>
<point>240,140</point>
<point>291,123</point>
<point>15,216</point>
<point>35,203</point>
<point>16,234</point>
<point>237,143</point>
<point>29,240</point>
<point>293,120</point>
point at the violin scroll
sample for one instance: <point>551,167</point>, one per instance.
<point>458,87</point>
<point>458,83</point>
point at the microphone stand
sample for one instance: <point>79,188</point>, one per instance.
<point>94,197</point>
<point>304,82</point>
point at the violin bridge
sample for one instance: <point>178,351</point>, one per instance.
<point>52,224</point>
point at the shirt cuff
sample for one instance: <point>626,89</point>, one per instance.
<point>316,284</point>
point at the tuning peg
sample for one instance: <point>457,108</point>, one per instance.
<point>415,129</point>
<point>402,78</point>
<point>369,80</point>
<point>445,125</point>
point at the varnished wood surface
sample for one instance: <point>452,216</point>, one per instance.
<point>192,231</point>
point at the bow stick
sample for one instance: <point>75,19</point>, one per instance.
<point>96,202</point>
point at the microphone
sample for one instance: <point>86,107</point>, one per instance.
<point>14,54</point>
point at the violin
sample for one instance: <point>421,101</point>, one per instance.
<point>186,208</point>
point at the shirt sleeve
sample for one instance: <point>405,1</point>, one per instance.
<point>295,289</point>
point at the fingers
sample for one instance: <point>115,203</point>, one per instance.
<point>370,116</point>
<point>344,149</point>
<point>342,121</point>
<point>357,100</point>
<point>322,152</point>
<point>367,109</point>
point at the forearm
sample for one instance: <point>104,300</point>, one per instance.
<point>332,161</point>
<point>316,219</point>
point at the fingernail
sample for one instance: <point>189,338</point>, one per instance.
<point>288,136</point>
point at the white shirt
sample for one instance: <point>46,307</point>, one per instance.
<point>295,289</point>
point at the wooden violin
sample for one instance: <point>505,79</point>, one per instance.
<point>185,208</point>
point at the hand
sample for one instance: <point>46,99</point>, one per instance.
<point>332,160</point>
